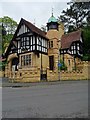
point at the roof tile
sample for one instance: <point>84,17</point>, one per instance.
<point>67,39</point>
<point>35,29</point>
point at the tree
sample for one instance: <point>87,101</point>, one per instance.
<point>7,28</point>
<point>86,38</point>
<point>9,24</point>
<point>75,15</point>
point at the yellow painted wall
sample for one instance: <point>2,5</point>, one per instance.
<point>55,36</point>
<point>1,73</point>
<point>70,67</point>
<point>36,61</point>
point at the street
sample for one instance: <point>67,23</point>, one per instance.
<point>61,100</point>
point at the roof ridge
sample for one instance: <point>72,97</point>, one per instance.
<point>67,39</point>
<point>32,24</point>
<point>71,33</point>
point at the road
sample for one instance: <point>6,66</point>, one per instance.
<point>61,100</point>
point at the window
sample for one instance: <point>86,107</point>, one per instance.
<point>27,39</point>
<point>69,62</point>
<point>33,40</point>
<point>53,26</point>
<point>21,60</point>
<point>74,47</point>
<point>51,44</point>
<point>78,46</point>
<point>21,42</point>
<point>61,51</point>
<point>24,41</point>
<point>46,45</point>
<point>64,51</point>
<point>42,44</point>
<point>26,60</point>
<point>74,51</point>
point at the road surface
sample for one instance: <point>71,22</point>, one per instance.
<point>61,100</point>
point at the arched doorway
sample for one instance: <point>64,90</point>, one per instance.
<point>14,65</point>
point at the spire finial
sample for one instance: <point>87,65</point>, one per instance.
<point>34,22</point>
<point>52,11</point>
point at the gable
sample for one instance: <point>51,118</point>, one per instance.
<point>69,38</point>
<point>25,33</point>
<point>23,29</point>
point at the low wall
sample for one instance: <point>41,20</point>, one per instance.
<point>52,75</point>
<point>1,74</point>
<point>33,74</point>
<point>79,74</point>
<point>74,75</point>
<point>25,75</point>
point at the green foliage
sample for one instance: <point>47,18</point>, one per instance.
<point>75,15</point>
<point>86,38</point>
<point>2,65</point>
<point>7,29</point>
<point>6,40</point>
<point>9,24</point>
<point>86,57</point>
<point>63,67</point>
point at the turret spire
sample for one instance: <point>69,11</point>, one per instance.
<point>52,11</point>
<point>34,22</point>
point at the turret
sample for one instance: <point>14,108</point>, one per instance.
<point>52,23</point>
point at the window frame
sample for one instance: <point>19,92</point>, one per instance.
<point>26,60</point>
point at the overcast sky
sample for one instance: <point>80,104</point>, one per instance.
<point>38,12</point>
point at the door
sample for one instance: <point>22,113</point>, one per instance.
<point>44,74</point>
<point>51,62</point>
<point>15,62</point>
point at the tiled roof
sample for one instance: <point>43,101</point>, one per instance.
<point>67,39</point>
<point>34,28</point>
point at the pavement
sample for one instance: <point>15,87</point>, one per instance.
<point>68,99</point>
<point>4,82</point>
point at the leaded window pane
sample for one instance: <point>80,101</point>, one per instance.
<point>26,60</point>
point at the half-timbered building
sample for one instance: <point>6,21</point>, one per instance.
<point>33,55</point>
<point>28,48</point>
<point>71,48</point>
